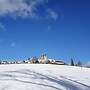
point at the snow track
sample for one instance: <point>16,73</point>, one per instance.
<point>43,77</point>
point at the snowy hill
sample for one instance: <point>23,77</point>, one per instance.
<point>43,77</point>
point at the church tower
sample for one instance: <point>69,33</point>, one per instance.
<point>43,59</point>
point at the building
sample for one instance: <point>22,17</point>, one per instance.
<point>4,62</point>
<point>58,62</point>
<point>44,59</point>
<point>34,60</point>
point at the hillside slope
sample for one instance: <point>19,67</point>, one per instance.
<point>43,77</point>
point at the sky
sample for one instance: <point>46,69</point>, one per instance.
<point>59,28</point>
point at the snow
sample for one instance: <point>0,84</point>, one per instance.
<point>43,77</point>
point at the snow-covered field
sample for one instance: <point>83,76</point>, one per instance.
<point>43,77</point>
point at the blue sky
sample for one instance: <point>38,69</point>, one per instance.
<point>59,28</point>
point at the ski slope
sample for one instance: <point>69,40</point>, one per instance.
<point>43,77</point>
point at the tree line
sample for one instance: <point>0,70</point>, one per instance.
<point>75,64</point>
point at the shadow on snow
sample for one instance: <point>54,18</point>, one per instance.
<point>28,74</point>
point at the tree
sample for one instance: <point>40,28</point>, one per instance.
<point>0,62</point>
<point>72,62</point>
<point>79,63</point>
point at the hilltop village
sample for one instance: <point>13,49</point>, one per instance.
<point>35,60</point>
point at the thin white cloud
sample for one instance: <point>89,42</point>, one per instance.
<point>52,14</point>
<point>2,27</point>
<point>25,8</point>
<point>13,44</point>
<point>22,8</point>
<point>49,27</point>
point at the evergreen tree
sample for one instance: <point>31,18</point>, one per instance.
<point>72,62</point>
<point>0,61</point>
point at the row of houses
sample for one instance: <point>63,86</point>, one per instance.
<point>42,60</point>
